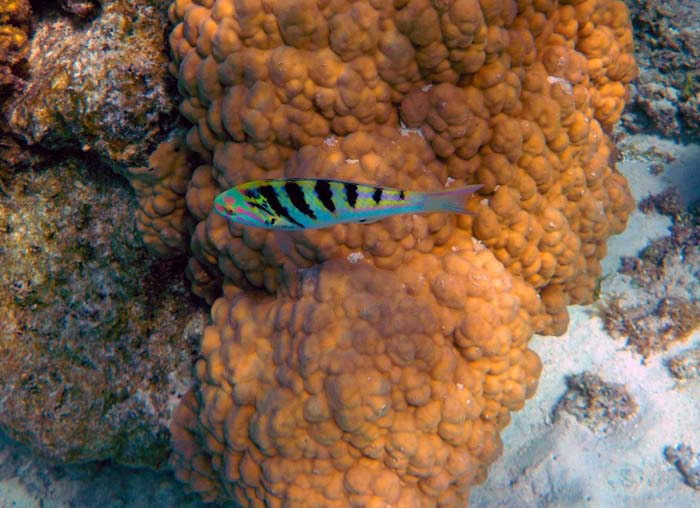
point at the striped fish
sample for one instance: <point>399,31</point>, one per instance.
<point>298,203</point>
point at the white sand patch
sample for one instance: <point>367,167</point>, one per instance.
<point>13,494</point>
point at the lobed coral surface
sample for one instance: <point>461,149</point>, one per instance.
<point>14,25</point>
<point>374,365</point>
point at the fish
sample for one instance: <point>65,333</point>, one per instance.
<point>292,204</point>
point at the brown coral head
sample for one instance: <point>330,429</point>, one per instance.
<point>374,365</point>
<point>374,382</point>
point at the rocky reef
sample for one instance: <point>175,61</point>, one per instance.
<point>88,89</point>
<point>97,337</point>
<point>666,98</point>
<point>101,336</point>
<point>14,44</point>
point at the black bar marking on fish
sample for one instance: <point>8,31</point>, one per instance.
<point>251,193</point>
<point>325,194</point>
<point>377,196</point>
<point>351,194</point>
<point>252,198</point>
<point>268,192</point>
<point>402,195</point>
<point>261,206</point>
<point>296,195</point>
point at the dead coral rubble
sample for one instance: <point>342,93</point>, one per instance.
<point>668,307</point>
<point>687,461</point>
<point>686,365</point>
<point>597,404</point>
<point>666,98</point>
<point>650,325</point>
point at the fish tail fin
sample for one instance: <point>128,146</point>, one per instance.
<point>453,200</point>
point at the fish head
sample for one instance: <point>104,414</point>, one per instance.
<point>232,205</point>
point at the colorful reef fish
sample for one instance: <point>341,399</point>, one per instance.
<point>297,203</point>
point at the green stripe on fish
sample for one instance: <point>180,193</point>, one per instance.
<point>305,203</point>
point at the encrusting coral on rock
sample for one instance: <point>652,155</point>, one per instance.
<point>88,90</point>
<point>375,365</point>
<point>14,25</point>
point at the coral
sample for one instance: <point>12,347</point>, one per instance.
<point>369,387</point>
<point>527,138</point>
<point>374,365</point>
<point>666,99</point>
<point>687,461</point>
<point>599,405</point>
<point>90,91</point>
<point>14,47</point>
<point>95,341</point>
<point>668,308</point>
<point>162,217</point>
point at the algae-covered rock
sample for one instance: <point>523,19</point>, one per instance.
<point>97,85</point>
<point>96,337</point>
<point>666,97</point>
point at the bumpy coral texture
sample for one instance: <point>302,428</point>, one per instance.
<point>14,25</point>
<point>162,217</point>
<point>364,388</point>
<point>374,365</point>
